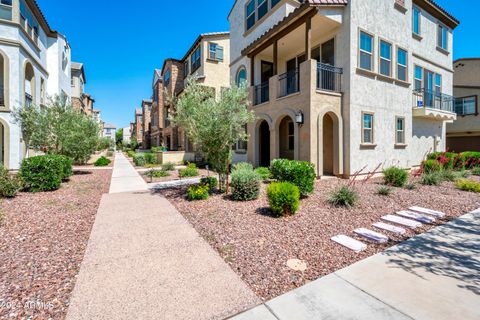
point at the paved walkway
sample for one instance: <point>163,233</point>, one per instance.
<point>125,178</point>
<point>433,276</point>
<point>145,261</point>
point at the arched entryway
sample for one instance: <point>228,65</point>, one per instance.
<point>264,144</point>
<point>29,84</point>
<point>287,138</point>
<point>328,148</point>
<point>4,81</point>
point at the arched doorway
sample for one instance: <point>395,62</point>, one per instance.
<point>264,144</point>
<point>328,145</point>
<point>287,138</point>
<point>29,85</point>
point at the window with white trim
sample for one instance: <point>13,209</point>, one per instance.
<point>418,77</point>
<point>400,130</point>
<point>442,41</point>
<point>417,20</point>
<point>366,51</point>
<point>402,64</point>
<point>367,128</point>
<point>385,58</point>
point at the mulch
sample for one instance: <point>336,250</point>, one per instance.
<point>257,245</point>
<point>42,243</point>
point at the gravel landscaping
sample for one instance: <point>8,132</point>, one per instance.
<point>173,176</point>
<point>42,243</point>
<point>257,246</point>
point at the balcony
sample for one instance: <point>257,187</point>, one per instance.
<point>28,100</point>
<point>329,78</point>
<point>289,83</point>
<point>261,93</point>
<point>433,105</point>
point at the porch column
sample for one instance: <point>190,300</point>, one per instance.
<point>308,39</point>
<point>275,57</point>
<point>252,71</point>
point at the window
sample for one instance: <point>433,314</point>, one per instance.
<point>438,83</point>
<point>6,2</point>
<point>291,136</point>
<point>274,3</point>
<point>241,145</point>
<point>215,52</point>
<point>262,6</point>
<point>418,77</point>
<point>167,77</point>
<point>442,37</point>
<point>367,128</point>
<point>186,70</point>
<point>400,130</point>
<point>466,106</point>
<point>366,51</point>
<point>241,79</point>
<point>402,62</point>
<point>385,58</point>
<point>256,10</point>
<point>196,59</point>
<point>6,9</point>
<point>250,14</point>
<point>416,20</point>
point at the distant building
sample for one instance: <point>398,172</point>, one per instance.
<point>138,126</point>
<point>126,135</point>
<point>109,131</point>
<point>146,111</point>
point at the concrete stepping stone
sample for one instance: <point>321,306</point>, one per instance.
<point>402,221</point>
<point>434,213</point>
<point>416,216</point>
<point>372,235</point>
<point>389,227</point>
<point>350,243</point>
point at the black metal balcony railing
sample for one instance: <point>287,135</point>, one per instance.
<point>289,83</point>
<point>261,93</point>
<point>426,98</point>
<point>329,78</point>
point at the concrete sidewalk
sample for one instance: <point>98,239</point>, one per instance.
<point>433,276</point>
<point>145,261</point>
<point>124,177</point>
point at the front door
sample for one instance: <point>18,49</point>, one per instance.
<point>328,52</point>
<point>267,71</point>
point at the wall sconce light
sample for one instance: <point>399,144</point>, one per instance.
<point>299,118</point>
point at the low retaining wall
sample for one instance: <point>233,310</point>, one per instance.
<point>177,157</point>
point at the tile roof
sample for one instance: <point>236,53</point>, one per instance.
<point>442,10</point>
<point>327,2</point>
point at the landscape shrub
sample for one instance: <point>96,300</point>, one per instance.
<point>468,185</point>
<point>131,153</point>
<point>168,166</point>
<point>102,162</point>
<point>210,182</point>
<point>431,179</point>
<point>156,149</point>
<point>67,165</point>
<point>411,186</point>
<point>9,184</point>
<point>150,158</point>
<point>449,175</point>
<point>109,153</point>
<point>245,184</point>
<point>476,171</point>
<point>284,198</point>
<point>300,173</point>
<point>384,191</point>
<point>139,159</point>
<point>157,173</point>
<point>197,192</point>
<point>468,160</point>
<point>396,177</point>
<point>264,173</point>
<point>451,160</point>
<point>430,166</point>
<point>190,171</point>
<point>42,173</point>
<point>345,196</point>
<point>242,166</point>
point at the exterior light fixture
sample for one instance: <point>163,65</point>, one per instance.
<point>299,118</point>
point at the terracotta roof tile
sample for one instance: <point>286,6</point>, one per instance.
<point>327,2</point>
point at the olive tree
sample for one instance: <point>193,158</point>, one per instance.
<point>213,124</point>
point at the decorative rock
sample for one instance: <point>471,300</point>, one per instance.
<point>389,227</point>
<point>402,221</point>
<point>434,213</point>
<point>372,235</point>
<point>350,243</point>
<point>416,216</point>
<point>297,265</point>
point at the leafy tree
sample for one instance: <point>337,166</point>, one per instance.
<point>119,136</point>
<point>58,129</point>
<point>213,124</point>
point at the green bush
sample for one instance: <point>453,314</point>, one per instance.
<point>190,171</point>
<point>476,171</point>
<point>156,149</point>
<point>284,198</point>
<point>109,153</point>
<point>9,184</point>
<point>150,158</point>
<point>102,162</point>
<point>396,177</point>
<point>157,174</point>
<point>245,184</point>
<point>242,166</point>
<point>300,173</point>
<point>197,192</point>
<point>42,173</point>
<point>264,173</point>
<point>131,153</point>
<point>451,160</point>
<point>210,182</point>
<point>345,196</point>
<point>139,159</point>
<point>168,166</point>
<point>449,175</point>
<point>67,165</point>
<point>430,166</point>
<point>411,186</point>
<point>384,191</point>
<point>431,179</point>
<point>468,185</point>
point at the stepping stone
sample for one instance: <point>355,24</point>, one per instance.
<point>416,216</point>
<point>402,221</point>
<point>389,227</point>
<point>350,243</point>
<point>297,265</point>
<point>434,213</point>
<point>372,235</point>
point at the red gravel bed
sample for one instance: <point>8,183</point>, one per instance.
<point>174,176</point>
<point>257,246</point>
<point>42,243</point>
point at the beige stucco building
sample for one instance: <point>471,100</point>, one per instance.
<point>464,133</point>
<point>344,84</point>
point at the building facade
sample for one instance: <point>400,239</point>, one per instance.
<point>157,115</point>
<point>464,133</point>
<point>110,131</point>
<point>146,122</point>
<point>34,64</point>
<point>332,85</point>
<point>137,134</point>
<point>81,101</point>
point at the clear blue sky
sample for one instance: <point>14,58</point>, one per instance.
<point>121,42</point>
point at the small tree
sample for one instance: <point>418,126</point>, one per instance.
<point>213,125</point>
<point>119,137</point>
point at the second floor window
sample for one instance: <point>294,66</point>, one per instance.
<point>385,58</point>
<point>256,10</point>
<point>367,128</point>
<point>366,51</point>
<point>196,59</point>
<point>442,37</point>
<point>402,59</point>
<point>418,77</point>
<point>186,70</point>
<point>215,52</point>
<point>466,106</point>
<point>416,20</point>
<point>166,77</point>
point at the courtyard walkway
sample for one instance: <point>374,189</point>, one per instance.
<point>145,261</point>
<point>433,276</point>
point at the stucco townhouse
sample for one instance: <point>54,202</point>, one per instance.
<point>81,100</point>
<point>464,133</point>
<point>146,122</point>
<point>157,114</point>
<point>137,132</point>
<point>34,64</point>
<point>344,84</point>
